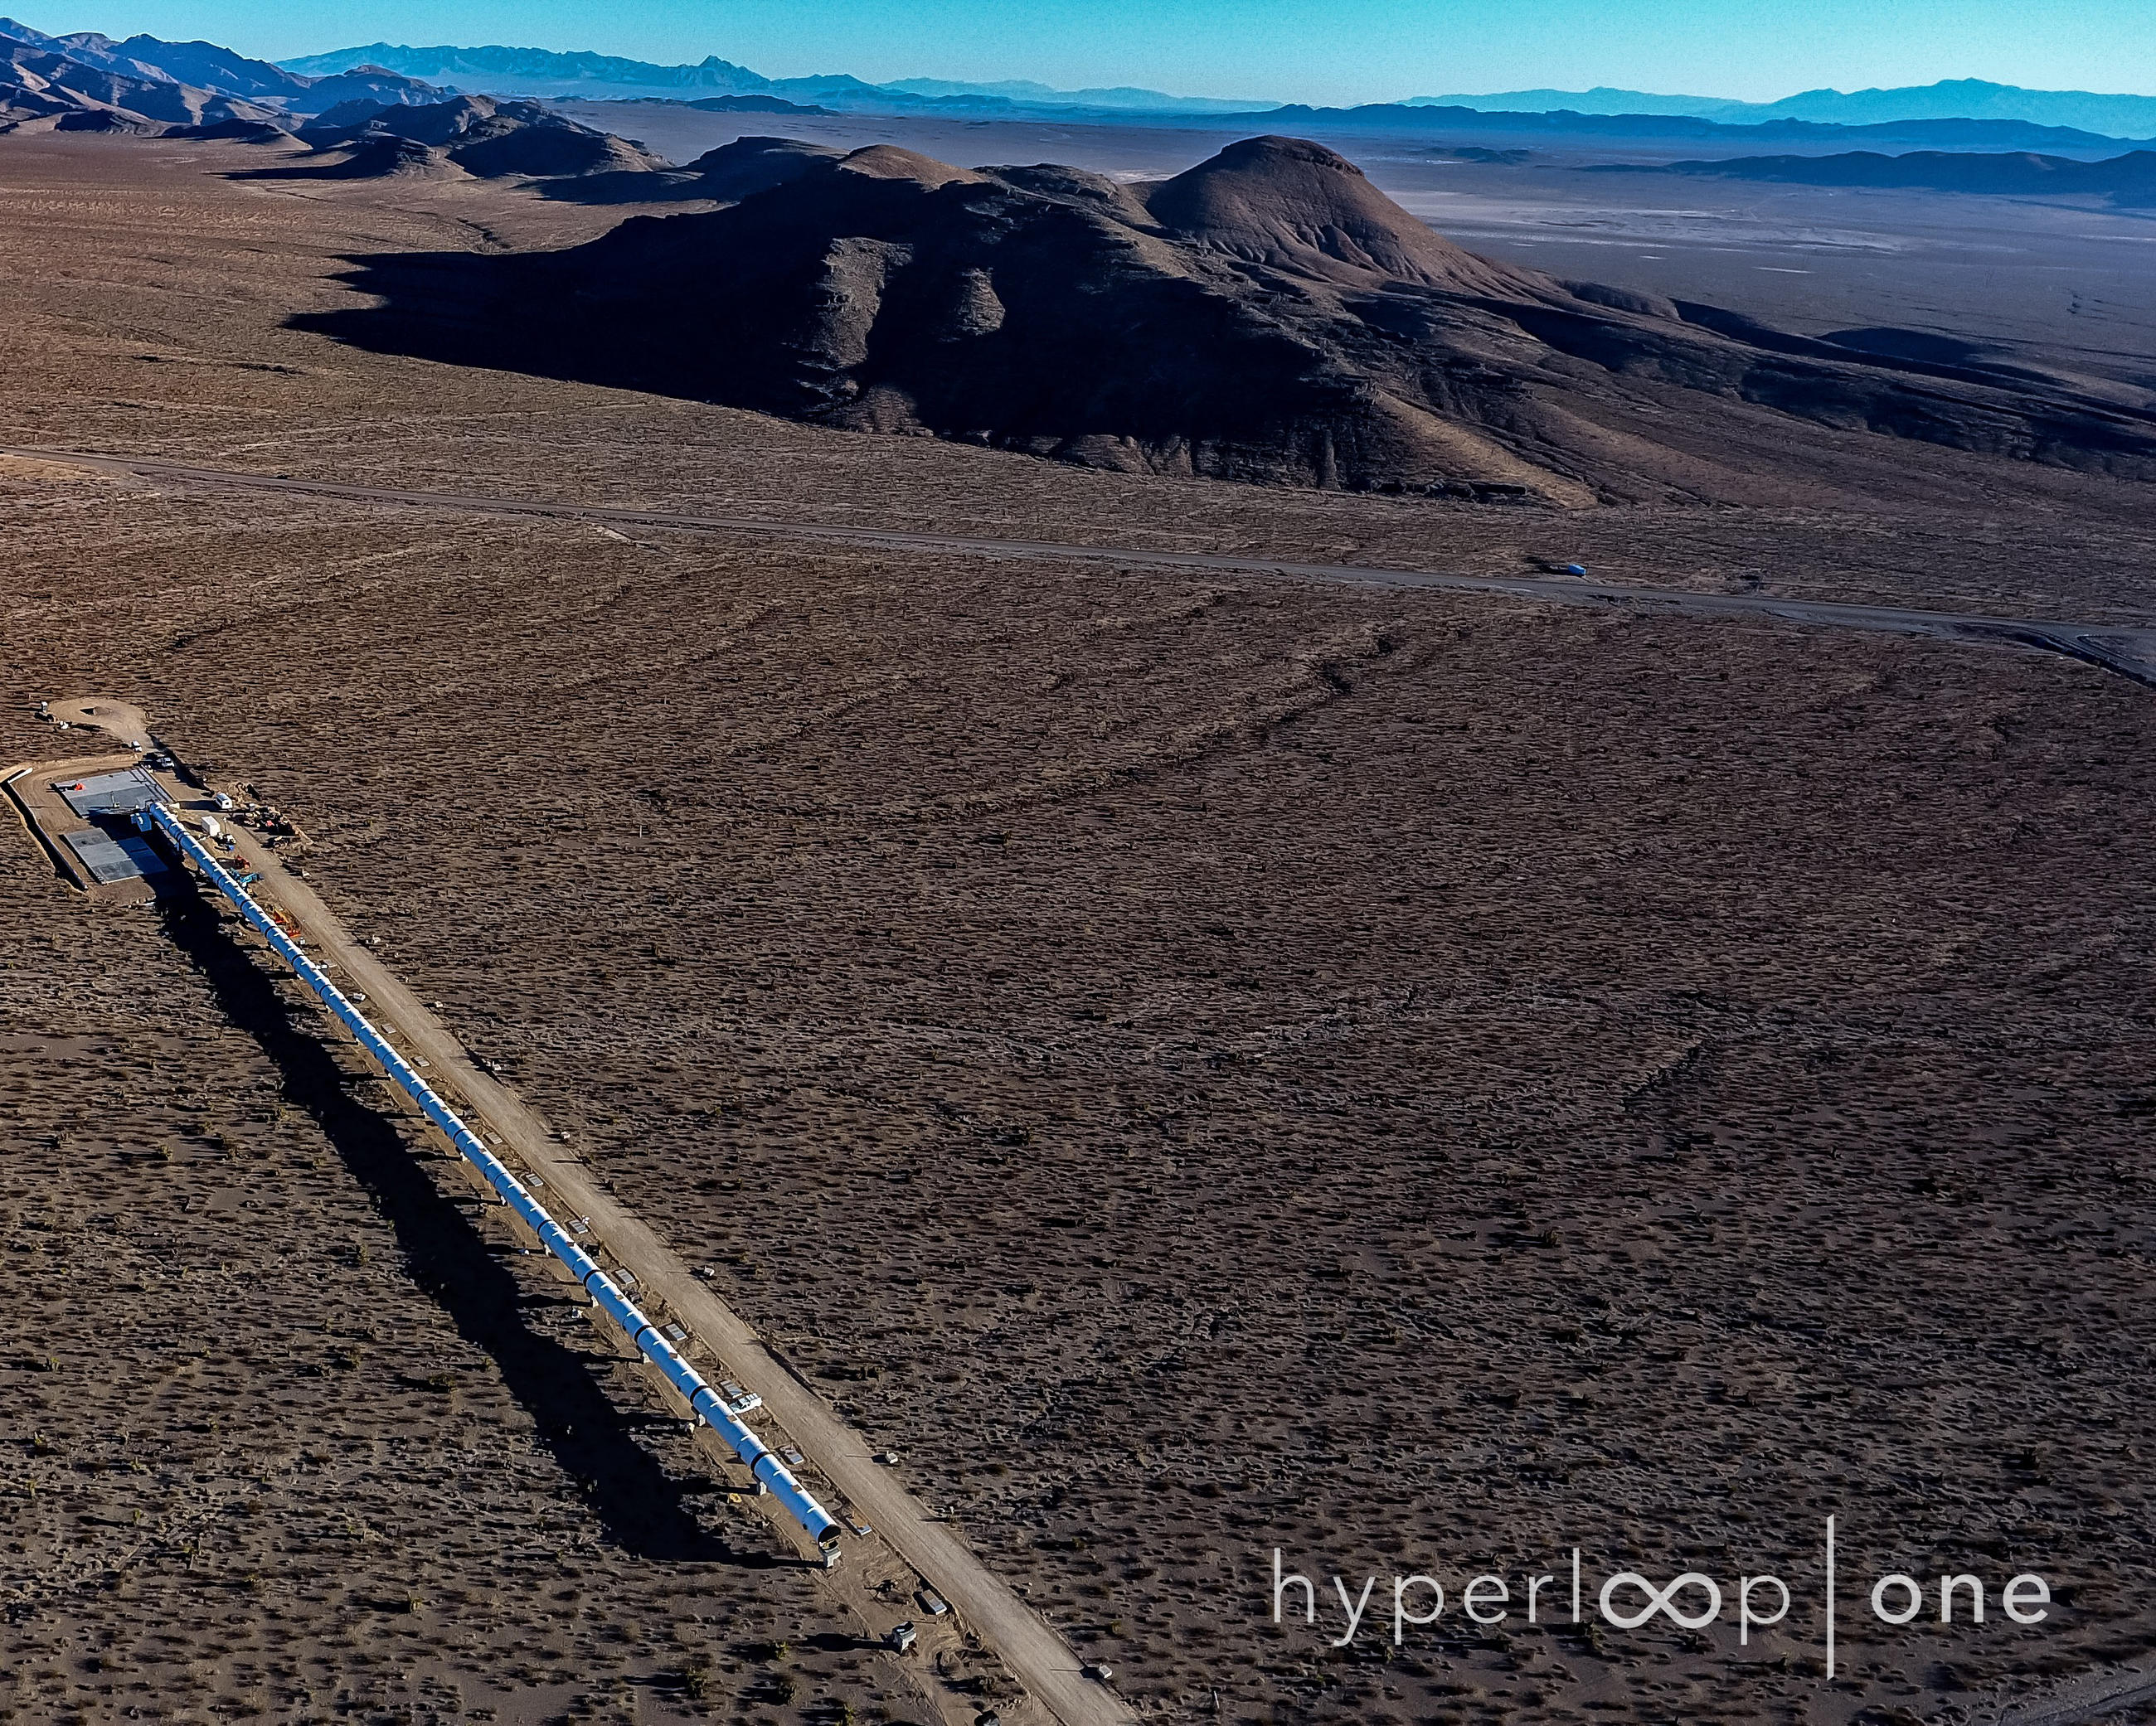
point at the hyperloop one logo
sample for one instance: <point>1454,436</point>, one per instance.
<point>1631,1601</point>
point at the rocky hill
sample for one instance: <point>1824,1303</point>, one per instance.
<point>37,86</point>
<point>727,175</point>
<point>89,82</point>
<point>474,134</point>
<point>1268,315</point>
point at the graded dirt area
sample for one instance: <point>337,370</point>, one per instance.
<point>1197,1066</point>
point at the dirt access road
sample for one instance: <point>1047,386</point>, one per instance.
<point>1035,1655</point>
<point>2129,652</point>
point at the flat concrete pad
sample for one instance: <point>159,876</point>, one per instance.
<point>109,859</point>
<point>120,793</point>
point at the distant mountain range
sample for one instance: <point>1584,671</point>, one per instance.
<point>530,71</point>
<point>539,72</point>
<point>90,82</point>
<point>2116,116</point>
<point>1565,126</point>
<point>1024,91</point>
<point>1602,98</point>
<point>146,83</point>
<point>2128,181</point>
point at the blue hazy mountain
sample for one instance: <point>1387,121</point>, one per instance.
<point>533,71</point>
<point>530,71</point>
<point>1602,98</point>
<point>1026,92</point>
<point>89,82</point>
<point>143,67</point>
<point>2128,180</point>
<point>1566,129</point>
<point>2116,116</point>
<point>473,65</point>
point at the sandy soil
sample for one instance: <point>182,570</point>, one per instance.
<point>1197,1066</point>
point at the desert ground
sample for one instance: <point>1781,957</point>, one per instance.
<point>1198,1066</point>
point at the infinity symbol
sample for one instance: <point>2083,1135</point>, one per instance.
<point>1662,1600</point>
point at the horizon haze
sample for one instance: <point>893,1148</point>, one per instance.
<point>1258,50</point>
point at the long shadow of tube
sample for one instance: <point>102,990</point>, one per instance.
<point>453,1263</point>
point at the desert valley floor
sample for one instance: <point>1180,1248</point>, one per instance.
<point>1196,1065</point>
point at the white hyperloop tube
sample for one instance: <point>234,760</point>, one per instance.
<point>640,1330</point>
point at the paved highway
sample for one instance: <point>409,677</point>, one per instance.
<point>2129,652</point>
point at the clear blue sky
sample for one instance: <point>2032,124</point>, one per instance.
<point>1307,50</point>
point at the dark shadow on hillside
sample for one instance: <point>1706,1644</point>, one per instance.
<point>592,1437</point>
<point>371,159</point>
<point>443,306</point>
<point>627,187</point>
